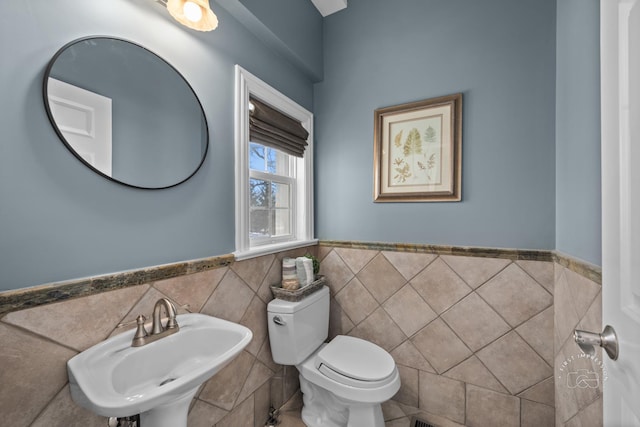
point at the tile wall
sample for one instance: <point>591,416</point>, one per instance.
<point>578,304</point>
<point>36,343</point>
<point>472,336</point>
<point>475,338</point>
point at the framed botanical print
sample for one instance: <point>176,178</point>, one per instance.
<point>418,151</point>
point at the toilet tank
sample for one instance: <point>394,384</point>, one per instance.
<point>297,329</point>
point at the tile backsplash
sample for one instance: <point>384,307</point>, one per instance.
<point>475,336</point>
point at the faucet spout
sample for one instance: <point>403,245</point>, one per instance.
<point>170,309</point>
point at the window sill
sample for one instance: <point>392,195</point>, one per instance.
<point>273,248</point>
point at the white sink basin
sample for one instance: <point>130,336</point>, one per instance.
<point>157,380</point>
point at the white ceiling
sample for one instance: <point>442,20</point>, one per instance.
<point>327,7</point>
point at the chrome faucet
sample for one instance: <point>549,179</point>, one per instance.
<point>158,331</point>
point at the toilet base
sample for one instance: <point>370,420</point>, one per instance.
<point>324,409</point>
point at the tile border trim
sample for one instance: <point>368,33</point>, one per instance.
<point>20,299</point>
<point>583,268</point>
<point>512,254</point>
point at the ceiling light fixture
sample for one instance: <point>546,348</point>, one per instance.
<point>195,14</point>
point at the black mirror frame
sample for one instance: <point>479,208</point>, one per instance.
<point>45,85</point>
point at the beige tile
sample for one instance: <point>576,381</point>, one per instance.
<point>242,415</point>
<point>592,320</point>
<point>475,270</point>
<point>391,410</point>
<point>409,310</point>
<point>203,414</point>
<point>541,271</point>
<point>33,371</point>
<point>379,329</point>
<point>538,333</point>
<point>276,389</point>
<point>339,322</point>
<point>255,318</point>
<point>293,404</point>
<point>291,384</point>
<point>442,396</point>
<point>224,388</point>
<point>558,270</point>
<point>543,392</point>
<point>475,322</point>
<point>591,416</point>
<point>566,402</point>
<point>258,376</point>
<point>230,299</point>
<point>273,277</point>
<point>571,363</point>
<point>291,419</point>
<point>514,363</point>
<point>323,251</point>
<point>356,301</point>
<point>408,393</point>
<point>472,371</point>
<point>409,264</point>
<point>488,408</point>
<point>336,271</point>
<point>381,278</point>
<point>440,346</point>
<point>440,286</point>
<point>193,289</point>
<point>536,414</point>
<point>62,411</point>
<point>583,291</point>
<point>261,404</point>
<point>406,354</point>
<point>82,322</point>
<point>356,259</point>
<point>399,422</point>
<point>252,271</point>
<point>565,317</point>
<point>264,355</point>
<point>515,295</point>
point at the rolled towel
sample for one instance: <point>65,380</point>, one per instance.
<point>301,272</point>
<point>304,270</point>
<point>289,276</point>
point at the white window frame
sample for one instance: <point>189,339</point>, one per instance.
<point>302,226</point>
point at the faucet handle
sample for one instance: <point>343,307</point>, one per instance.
<point>141,332</point>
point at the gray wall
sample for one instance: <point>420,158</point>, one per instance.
<point>58,219</point>
<point>578,201</point>
<point>501,55</point>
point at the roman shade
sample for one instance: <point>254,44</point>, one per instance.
<point>271,128</point>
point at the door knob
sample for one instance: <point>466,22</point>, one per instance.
<point>607,340</point>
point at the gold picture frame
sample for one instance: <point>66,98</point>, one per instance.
<point>418,151</point>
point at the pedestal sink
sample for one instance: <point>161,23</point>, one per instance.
<point>157,380</point>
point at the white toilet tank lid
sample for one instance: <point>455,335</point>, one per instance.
<point>356,358</point>
<point>284,307</point>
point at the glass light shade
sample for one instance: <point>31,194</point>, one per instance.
<point>207,22</point>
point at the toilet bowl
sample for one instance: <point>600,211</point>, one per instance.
<point>343,382</point>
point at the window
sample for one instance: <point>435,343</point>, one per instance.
<point>274,188</point>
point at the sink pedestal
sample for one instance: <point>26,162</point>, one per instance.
<point>172,414</point>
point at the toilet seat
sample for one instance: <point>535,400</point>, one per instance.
<point>355,362</point>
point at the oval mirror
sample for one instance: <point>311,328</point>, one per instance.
<point>125,112</point>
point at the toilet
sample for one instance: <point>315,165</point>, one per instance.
<point>343,382</point>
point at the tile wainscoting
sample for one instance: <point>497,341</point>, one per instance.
<point>475,333</point>
<point>38,341</point>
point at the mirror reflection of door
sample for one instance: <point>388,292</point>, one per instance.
<point>84,118</point>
